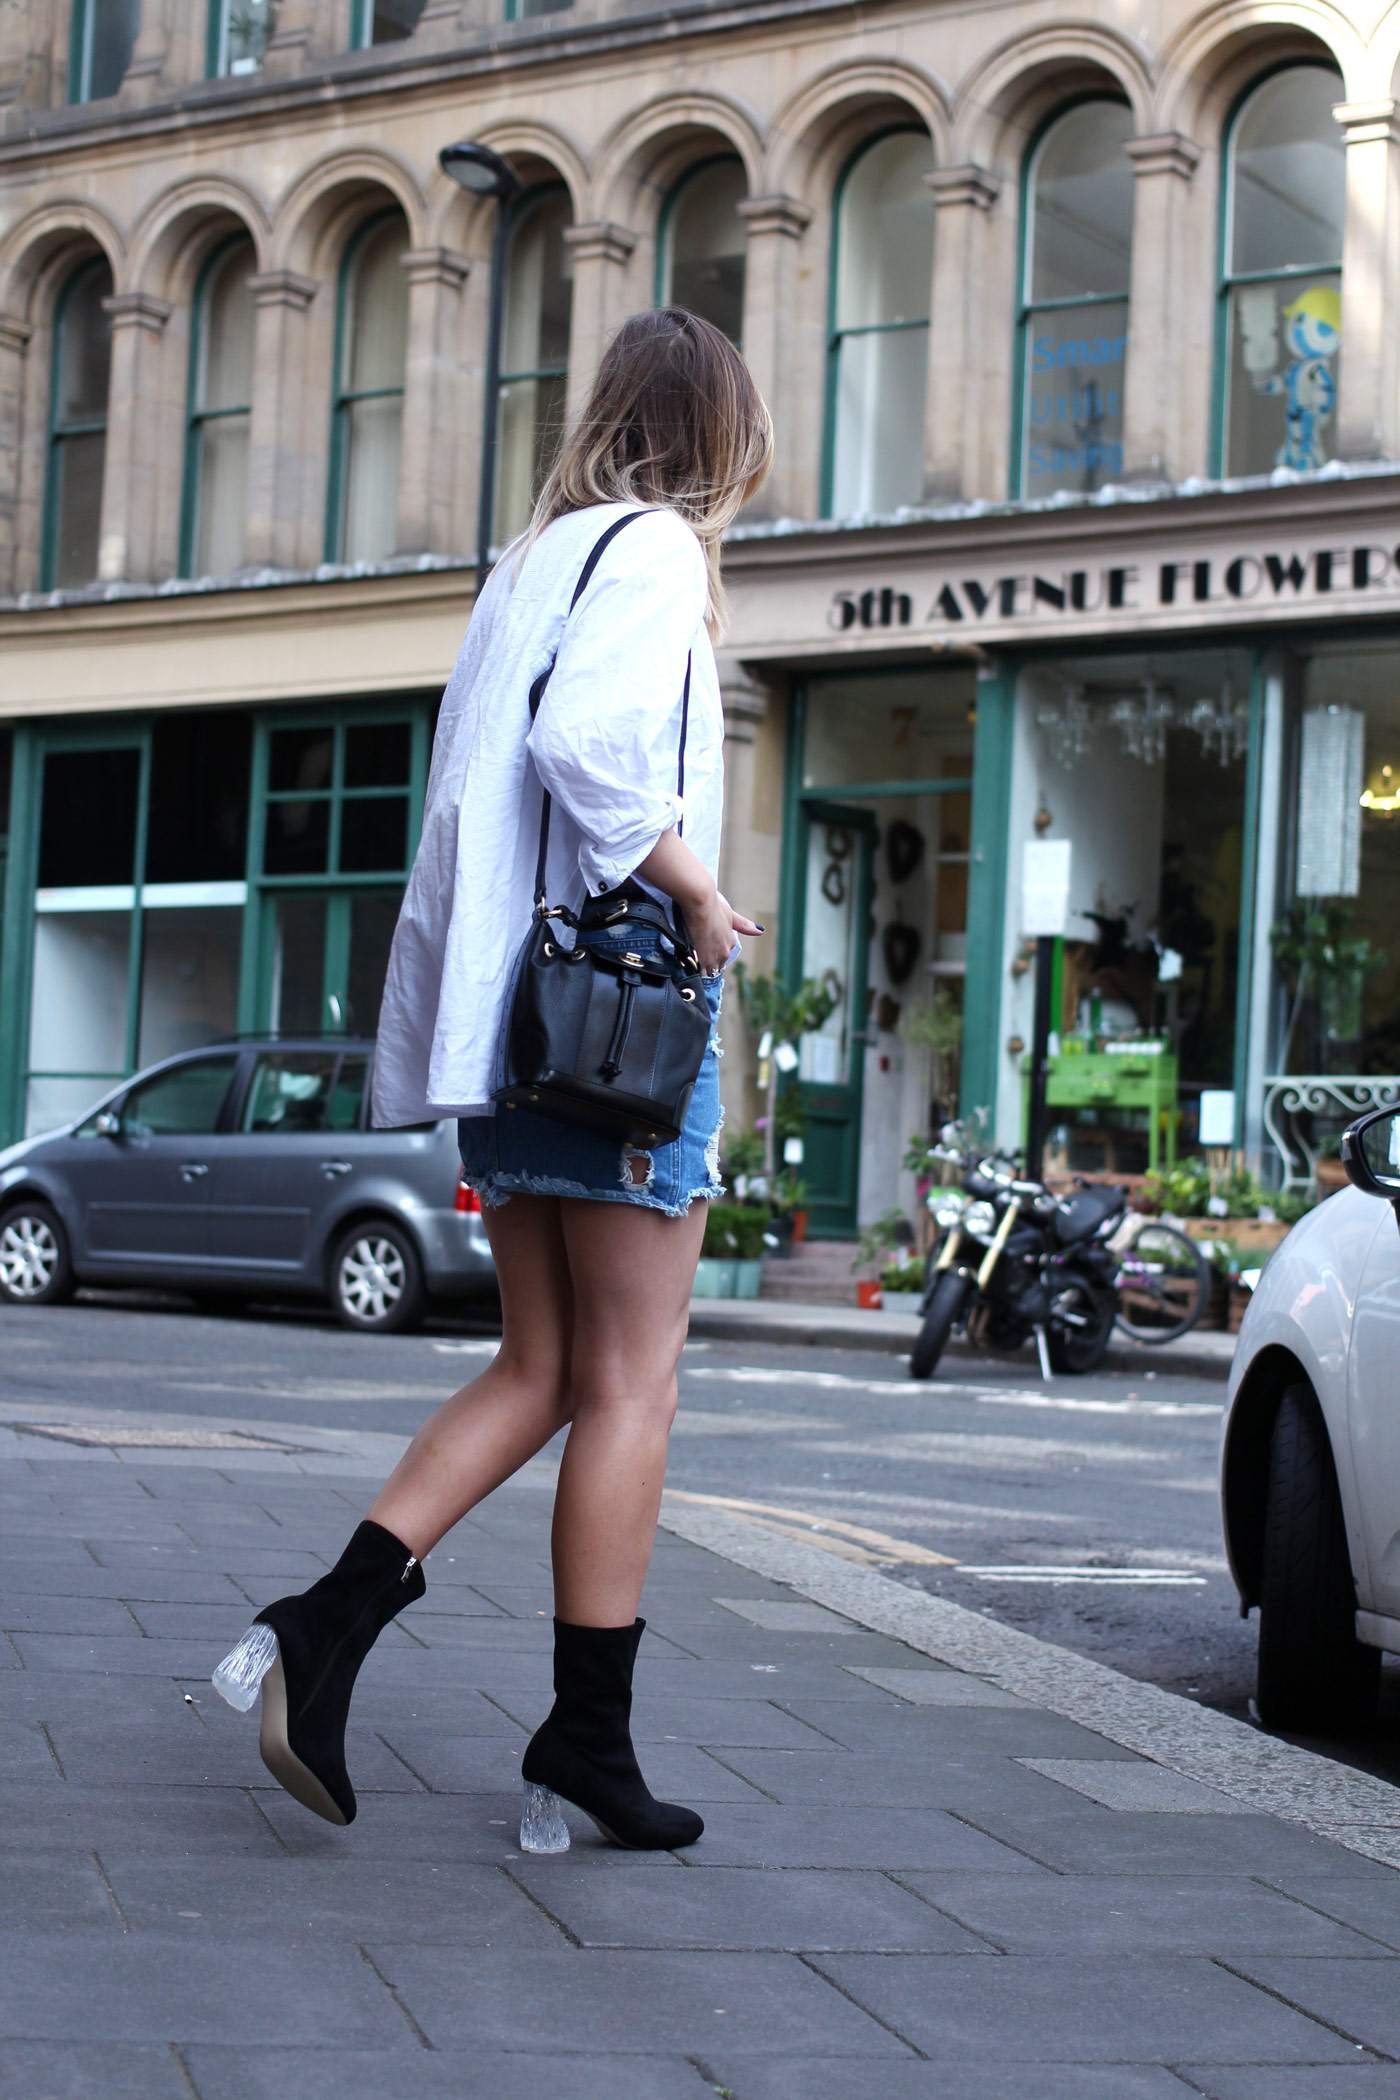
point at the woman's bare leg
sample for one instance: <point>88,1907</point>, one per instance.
<point>631,1270</point>
<point>489,1428</point>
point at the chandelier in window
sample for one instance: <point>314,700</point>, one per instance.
<point>1221,721</point>
<point>1064,726</point>
<point>1142,720</point>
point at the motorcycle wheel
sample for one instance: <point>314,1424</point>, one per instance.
<point>1077,1350</point>
<point>944,1309</point>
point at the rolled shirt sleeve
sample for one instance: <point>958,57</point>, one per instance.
<point>606,738</point>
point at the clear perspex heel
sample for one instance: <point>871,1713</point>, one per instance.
<point>243,1669</point>
<point>542,1825</point>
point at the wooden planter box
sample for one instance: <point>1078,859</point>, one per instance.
<point>1261,1233</point>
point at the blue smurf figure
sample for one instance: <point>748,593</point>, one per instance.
<point>1312,334</point>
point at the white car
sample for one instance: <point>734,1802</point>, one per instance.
<point>1310,1466</point>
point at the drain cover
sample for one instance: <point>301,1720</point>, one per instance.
<point>169,1439</point>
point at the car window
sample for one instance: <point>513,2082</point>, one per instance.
<point>181,1102</point>
<point>343,1107</point>
<point>291,1090</point>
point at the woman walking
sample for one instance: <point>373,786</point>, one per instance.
<point>600,618</point>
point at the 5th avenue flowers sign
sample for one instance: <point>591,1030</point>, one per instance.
<point>1214,582</point>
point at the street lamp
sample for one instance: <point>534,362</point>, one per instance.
<point>482,173</point>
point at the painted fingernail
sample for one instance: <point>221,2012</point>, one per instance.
<point>759,927</point>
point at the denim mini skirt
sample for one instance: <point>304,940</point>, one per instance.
<point>517,1150</point>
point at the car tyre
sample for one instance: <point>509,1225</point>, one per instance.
<point>1315,1676</point>
<point>36,1262</point>
<point>377,1282</point>
<point>945,1305</point>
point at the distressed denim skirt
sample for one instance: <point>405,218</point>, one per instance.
<point>503,1153</point>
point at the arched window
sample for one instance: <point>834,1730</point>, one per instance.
<point>371,335</point>
<point>102,38</point>
<point>1280,321</point>
<point>534,354</point>
<point>383,22</point>
<point>1076,256</point>
<point>882,262</point>
<point>237,36</point>
<point>220,412</point>
<point>82,356</point>
<point>702,243</point>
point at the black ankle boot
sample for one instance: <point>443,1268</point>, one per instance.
<point>583,1752</point>
<point>309,1649</point>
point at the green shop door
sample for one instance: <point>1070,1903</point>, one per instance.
<point>836,847</point>
<point>323,954</point>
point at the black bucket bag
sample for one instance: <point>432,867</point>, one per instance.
<point>611,1040</point>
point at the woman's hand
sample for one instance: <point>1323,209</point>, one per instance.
<point>712,926</point>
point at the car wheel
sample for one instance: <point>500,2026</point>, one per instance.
<point>945,1306</point>
<point>36,1267</point>
<point>377,1279</point>
<point>1314,1674</point>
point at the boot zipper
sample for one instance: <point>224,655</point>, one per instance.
<point>409,1566</point>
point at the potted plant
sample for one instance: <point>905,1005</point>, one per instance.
<point>891,1229</point>
<point>1325,963</point>
<point>731,1259</point>
<point>938,1029</point>
<point>778,1019</point>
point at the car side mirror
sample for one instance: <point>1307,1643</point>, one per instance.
<point>1371,1153</point>
<point>108,1123</point>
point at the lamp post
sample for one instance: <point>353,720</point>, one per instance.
<point>482,173</point>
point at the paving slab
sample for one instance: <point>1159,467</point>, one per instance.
<point>1360,1998</point>
<point>815,2078</point>
<point>1083,2008</point>
<point>84,2070</point>
<point>586,1998</point>
<point>457,2074</point>
<point>1367,2081</point>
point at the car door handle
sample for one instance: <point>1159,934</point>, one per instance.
<point>193,1170</point>
<point>331,1167</point>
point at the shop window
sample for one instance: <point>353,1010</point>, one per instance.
<point>1281,275</point>
<point>535,354</point>
<point>238,34</point>
<point>1140,762</point>
<point>1077,230</point>
<point>878,338</point>
<point>702,244</point>
<point>197,823</point>
<point>909,727</point>
<point>1337,949</point>
<point>104,34</point>
<point>338,799</point>
<point>220,412</point>
<point>383,22</point>
<point>82,355</point>
<point>88,818</point>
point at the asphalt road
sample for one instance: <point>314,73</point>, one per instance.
<point>1085,1513</point>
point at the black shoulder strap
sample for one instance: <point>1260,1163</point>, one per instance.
<point>538,688</point>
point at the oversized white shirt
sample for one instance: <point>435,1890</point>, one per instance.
<point>604,742</point>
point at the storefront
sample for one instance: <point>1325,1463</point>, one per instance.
<point>182,875</point>
<point>1203,697</point>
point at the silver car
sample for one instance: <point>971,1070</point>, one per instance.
<point>246,1169</point>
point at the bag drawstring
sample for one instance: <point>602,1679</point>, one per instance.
<point>617,1048</point>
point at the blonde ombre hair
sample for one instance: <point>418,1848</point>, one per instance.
<point>675,420</point>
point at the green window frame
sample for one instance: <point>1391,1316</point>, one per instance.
<point>197,417</point>
<point>336,794</point>
<point>661,294</point>
<point>344,398</point>
<point>522,210</point>
<point>222,19</point>
<point>1027,307</point>
<point>61,431</point>
<point>526,10</point>
<point>82,45</point>
<point>1229,280</point>
<point>836,336</point>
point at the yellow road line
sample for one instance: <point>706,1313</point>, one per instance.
<point>836,1534</point>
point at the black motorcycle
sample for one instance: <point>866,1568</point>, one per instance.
<point>1016,1261</point>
